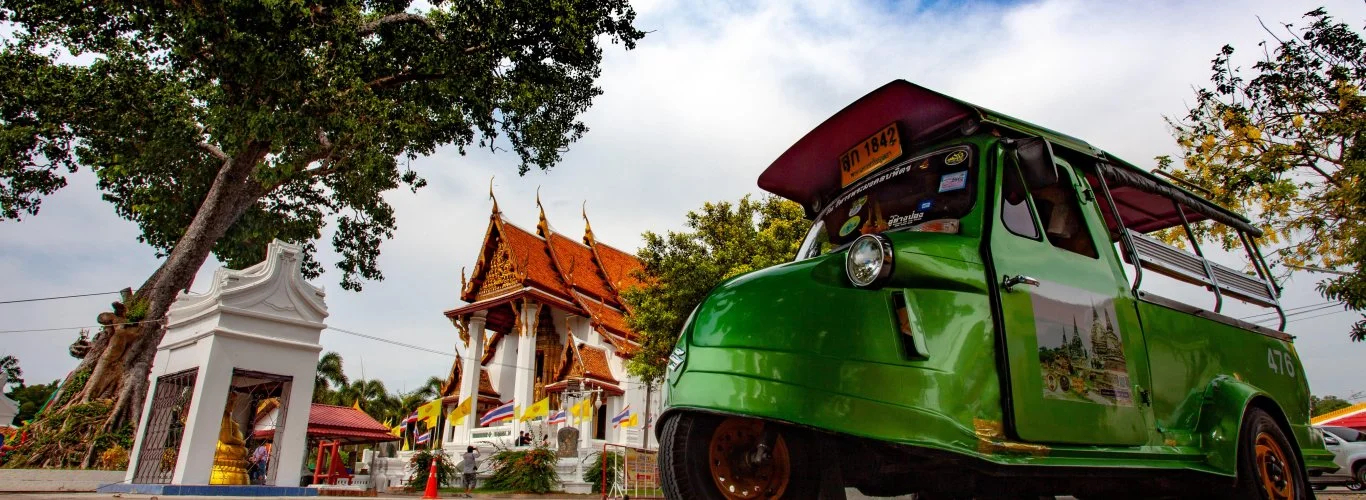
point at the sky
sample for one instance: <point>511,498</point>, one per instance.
<point>710,97</point>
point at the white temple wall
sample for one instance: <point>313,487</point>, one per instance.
<point>502,368</point>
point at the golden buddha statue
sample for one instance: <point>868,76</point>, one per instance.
<point>230,455</point>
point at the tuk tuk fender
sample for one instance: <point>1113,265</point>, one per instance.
<point>1227,401</point>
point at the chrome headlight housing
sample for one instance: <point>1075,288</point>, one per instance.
<point>869,261</point>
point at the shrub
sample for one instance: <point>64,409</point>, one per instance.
<point>593,473</point>
<point>531,471</point>
<point>114,458</point>
<point>420,466</point>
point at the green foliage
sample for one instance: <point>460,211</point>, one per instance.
<point>723,240</point>
<point>329,378</point>
<point>30,399</point>
<point>419,467</point>
<point>73,386</point>
<point>9,365</point>
<point>66,443</point>
<point>528,471</point>
<point>1327,404</point>
<point>594,473</point>
<point>236,122</point>
<point>1282,145</point>
<point>137,310</point>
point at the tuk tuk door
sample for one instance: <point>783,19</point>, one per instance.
<point>1076,355</point>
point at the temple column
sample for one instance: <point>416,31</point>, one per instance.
<point>524,381</point>
<point>470,368</point>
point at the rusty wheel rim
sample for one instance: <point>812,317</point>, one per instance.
<point>1273,469</point>
<point>734,468</point>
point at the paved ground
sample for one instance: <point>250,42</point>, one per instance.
<point>1330,494</point>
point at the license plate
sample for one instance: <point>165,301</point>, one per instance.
<point>875,151</point>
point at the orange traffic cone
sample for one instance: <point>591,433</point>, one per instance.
<point>431,481</point>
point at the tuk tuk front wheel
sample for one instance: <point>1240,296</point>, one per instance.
<point>1268,467</point>
<point>735,458</point>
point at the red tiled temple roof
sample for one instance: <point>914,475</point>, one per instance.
<point>575,263</point>
<point>605,316</point>
<point>531,255</point>
<point>620,267</point>
<point>451,388</point>
<point>588,277</point>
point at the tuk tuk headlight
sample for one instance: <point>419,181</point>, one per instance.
<point>869,262</point>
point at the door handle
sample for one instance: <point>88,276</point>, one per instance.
<point>1008,282</point>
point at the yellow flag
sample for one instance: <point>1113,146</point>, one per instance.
<point>632,421</point>
<point>429,412</point>
<point>539,409</point>
<point>457,416</point>
<point>397,431</point>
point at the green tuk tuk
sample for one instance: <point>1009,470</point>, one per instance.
<point>967,317</point>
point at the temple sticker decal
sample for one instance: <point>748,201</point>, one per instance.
<point>1081,350</point>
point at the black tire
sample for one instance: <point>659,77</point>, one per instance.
<point>684,450</point>
<point>1360,474</point>
<point>1356,486</point>
<point>1277,470</point>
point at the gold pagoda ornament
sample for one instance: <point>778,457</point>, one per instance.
<point>230,454</point>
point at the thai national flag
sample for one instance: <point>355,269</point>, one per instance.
<point>558,417</point>
<point>424,438</point>
<point>621,417</point>
<point>411,418</point>
<point>498,414</point>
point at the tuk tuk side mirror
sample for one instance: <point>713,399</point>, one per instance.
<point>1035,157</point>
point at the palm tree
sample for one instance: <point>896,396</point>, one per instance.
<point>372,397</point>
<point>329,379</point>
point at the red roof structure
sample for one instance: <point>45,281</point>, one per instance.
<point>585,279</point>
<point>518,269</point>
<point>1352,416</point>
<point>340,423</point>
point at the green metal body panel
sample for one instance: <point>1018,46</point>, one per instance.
<point>798,343</point>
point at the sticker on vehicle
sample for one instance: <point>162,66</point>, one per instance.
<point>955,158</point>
<point>1081,348</point>
<point>850,225</point>
<point>903,220</point>
<point>953,182</point>
<point>858,205</point>
<point>924,205</point>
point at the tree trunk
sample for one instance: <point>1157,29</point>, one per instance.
<point>233,192</point>
<point>649,389</point>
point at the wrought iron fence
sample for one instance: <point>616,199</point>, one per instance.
<point>165,427</point>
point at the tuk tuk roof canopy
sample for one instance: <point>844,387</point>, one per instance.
<point>808,172</point>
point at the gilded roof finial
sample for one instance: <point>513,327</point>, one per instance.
<point>494,198</point>
<point>463,283</point>
<point>542,227</point>
<point>588,238</point>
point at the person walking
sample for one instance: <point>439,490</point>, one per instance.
<point>469,466</point>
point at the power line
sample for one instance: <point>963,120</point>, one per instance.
<point>1319,315</point>
<point>388,341</point>
<point>56,298</point>
<point>78,327</point>
<point>1292,316</point>
<point>1273,314</point>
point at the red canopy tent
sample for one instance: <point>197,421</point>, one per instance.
<point>1352,416</point>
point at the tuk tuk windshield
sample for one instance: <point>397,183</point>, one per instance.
<point>927,193</point>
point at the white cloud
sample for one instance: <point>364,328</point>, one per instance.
<point>714,93</point>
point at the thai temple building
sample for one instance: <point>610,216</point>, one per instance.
<point>544,318</point>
